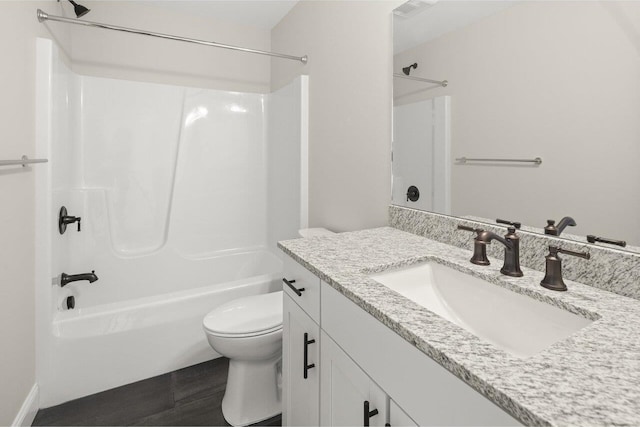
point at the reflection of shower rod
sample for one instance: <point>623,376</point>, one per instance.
<point>442,83</point>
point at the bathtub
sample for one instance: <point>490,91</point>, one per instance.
<point>105,346</point>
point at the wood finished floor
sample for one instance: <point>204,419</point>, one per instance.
<point>188,397</point>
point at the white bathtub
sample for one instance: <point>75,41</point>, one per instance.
<point>109,345</point>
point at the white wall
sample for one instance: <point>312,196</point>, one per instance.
<point>18,31</point>
<point>287,162</point>
<point>421,154</point>
<point>557,80</point>
<point>350,55</point>
<point>112,54</point>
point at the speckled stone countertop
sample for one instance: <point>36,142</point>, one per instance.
<point>590,378</point>
<point>565,234</point>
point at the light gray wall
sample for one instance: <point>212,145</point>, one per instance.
<point>350,61</point>
<point>18,31</point>
<point>102,53</point>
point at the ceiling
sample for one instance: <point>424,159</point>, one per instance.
<point>263,14</point>
<point>437,18</point>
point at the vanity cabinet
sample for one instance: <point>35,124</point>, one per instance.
<point>300,347</point>
<point>348,396</point>
<point>359,361</point>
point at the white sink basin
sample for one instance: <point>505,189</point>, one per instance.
<point>513,322</point>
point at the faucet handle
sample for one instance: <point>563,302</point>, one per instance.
<point>507,222</point>
<point>553,275</point>
<point>551,228</point>
<point>467,228</point>
<point>556,250</point>
<point>479,246</point>
<point>593,239</point>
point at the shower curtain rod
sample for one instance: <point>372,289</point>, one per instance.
<point>442,83</point>
<point>43,16</point>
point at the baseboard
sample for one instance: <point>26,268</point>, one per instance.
<point>29,409</point>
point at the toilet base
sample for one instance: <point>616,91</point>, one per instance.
<point>254,391</point>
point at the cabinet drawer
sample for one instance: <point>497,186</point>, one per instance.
<point>307,285</point>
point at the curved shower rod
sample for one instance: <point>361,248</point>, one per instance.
<point>43,16</point>
<point>442,83</point>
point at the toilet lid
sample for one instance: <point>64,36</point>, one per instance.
<point>253,315</point>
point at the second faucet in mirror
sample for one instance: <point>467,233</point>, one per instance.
<point>556,230</point>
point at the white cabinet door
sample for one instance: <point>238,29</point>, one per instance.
<point>348,396</point>
<point>300,395</point>
<point>399,418</point>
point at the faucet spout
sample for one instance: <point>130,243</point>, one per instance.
<point>564,222</point>
<point>488,236</point>
<point>65,279</point>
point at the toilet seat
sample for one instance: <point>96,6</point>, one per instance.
<point>246,317</point>
<point>245,335</point>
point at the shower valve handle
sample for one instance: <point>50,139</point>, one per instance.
<point>71,219</point>
<point>64,220</point>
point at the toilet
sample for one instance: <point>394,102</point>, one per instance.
<point>248,331</point>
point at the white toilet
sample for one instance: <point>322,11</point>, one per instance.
<point>249,332</point>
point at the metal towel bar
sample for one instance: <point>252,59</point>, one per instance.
<point>537,160</point>
<point>24,161</point>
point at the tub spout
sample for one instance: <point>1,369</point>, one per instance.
<point>65,279</point>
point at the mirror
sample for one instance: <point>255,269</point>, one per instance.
<point>531,113</point>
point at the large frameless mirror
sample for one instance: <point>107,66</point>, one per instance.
<point>523,111</point>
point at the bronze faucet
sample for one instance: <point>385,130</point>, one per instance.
<point>511,242</point>
<point>556,230</point>
<point>479,247</point>
<point>65,278</point>
<point>553,277</point>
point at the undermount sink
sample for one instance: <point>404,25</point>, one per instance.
<point>513,322</point>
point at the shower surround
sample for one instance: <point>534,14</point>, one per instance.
<point>183,194</point>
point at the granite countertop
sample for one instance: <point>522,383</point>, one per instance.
<point>565,235</point>
<point>590,378</point>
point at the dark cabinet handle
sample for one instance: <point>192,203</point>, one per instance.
<point>368,414</point>
<point>289,283</point>
<point>307,366</point>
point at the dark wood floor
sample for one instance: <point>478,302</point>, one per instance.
<point>188,397</point>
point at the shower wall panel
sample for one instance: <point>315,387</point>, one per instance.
<point>130,133</point>
<point>220,188</point>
